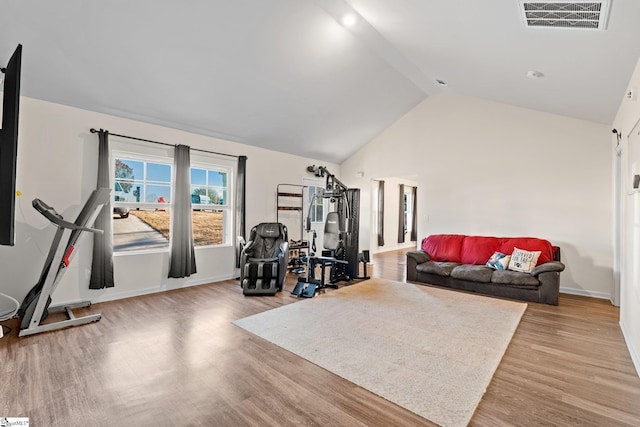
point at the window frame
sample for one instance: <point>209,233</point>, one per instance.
<point>226,208</point>
<point>146,158</point>
<point>117,154</point>
<point>198,161</point>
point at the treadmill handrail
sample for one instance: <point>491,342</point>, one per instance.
<point>53,216</point>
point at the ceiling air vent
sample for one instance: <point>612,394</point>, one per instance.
<point>565,14</point>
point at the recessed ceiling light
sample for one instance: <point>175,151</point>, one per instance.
<point>441,82</point>
<point>349,20</point>
<point>533,74</point>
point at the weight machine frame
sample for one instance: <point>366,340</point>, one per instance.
<point>347,202</point>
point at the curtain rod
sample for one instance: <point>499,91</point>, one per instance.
<point>92,130</point>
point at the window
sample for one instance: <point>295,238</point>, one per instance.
<point>142,189</point>
<point>407,211</point>
<point>316,211</point>
<point>141,196</point>
<point>209,200</point>
<point>377,211</point>
<point>140,181</point>
<point>208,187</point>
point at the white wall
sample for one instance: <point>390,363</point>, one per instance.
<point>627,117</point>
<point>486,168</point>
<point>57,158</point>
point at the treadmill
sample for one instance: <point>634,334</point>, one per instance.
<point>35,307</point>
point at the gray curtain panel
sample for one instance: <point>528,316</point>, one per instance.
<point>414,214</point>
<point>380,213</point>
<point>102,262</point>
<point>241,210</point>
<point>182,262</point>
<point>401,224</point>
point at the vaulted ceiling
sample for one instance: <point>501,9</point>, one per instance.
<point>288,75</point>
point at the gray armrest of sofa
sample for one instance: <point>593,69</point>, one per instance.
<point>413,259</point>
<point>548,267</point>
<point>549,276</point>
<point>419,256</point>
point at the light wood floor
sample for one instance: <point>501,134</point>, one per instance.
<point>175,359</point>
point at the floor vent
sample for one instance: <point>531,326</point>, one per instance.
<point>565,14</point>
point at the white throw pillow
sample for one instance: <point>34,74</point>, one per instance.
<point>524,261</point>
<point>499,261</point>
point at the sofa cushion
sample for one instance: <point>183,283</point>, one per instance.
<point>524,261</point>
<point>443,247</point>
<point>498,261</point>
<point>507,277</point>
<point>437,267</point>
<point>529,244</point>
<point>474,273</point>
<point>478,249</point>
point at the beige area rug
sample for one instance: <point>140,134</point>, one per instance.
<point>432,351</point>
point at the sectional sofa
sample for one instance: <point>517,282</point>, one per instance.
<point>497,266</point>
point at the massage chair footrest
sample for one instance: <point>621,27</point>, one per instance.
<point>260,277</point>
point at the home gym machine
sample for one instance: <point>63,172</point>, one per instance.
<point>341,233</point>
<point>35,307</point>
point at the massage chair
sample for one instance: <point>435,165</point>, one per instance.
<point>264,259</point>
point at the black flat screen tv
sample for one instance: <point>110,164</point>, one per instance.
<point>9,147</point>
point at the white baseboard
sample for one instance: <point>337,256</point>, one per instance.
<point>146,291</point>
<point>635,356</point>
<point>584,293</point>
